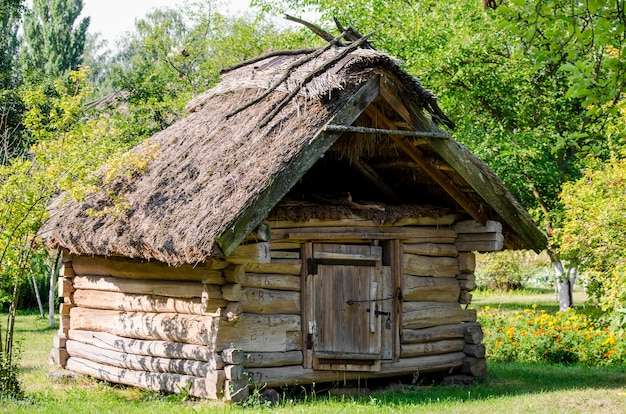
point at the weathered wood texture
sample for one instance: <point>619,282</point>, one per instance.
<point>467,281</point>
<point>197,387</point>
<point>275,377</point>
<point>435,289</point>
<point>154,348</point>
<point>270,301</point>
<point>99,299</point>
<point>250,253</point>
<point>175,289</point>
<point>356,221</point>
<point>174,327</point>
<point>276,266</point>
<point>438,333</point>
<point>467,262</point>
<point>261,333</point>
<point>272,359</point>
<point>427,314</point>
<point>430,266</point>
<point>272,281</point>
<point>430,249</point>
<point>354,234</point>
<point>432,348</point>
<point>139,362</point>
<point>141,269</point>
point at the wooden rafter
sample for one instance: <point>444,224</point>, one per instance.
<point>373,176</point>
<point>416,155</point>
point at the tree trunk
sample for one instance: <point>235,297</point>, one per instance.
<point>36,289</point>
<point>563,282</point>
<point>52,293</point>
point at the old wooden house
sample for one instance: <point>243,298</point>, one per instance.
<point>309,221</point>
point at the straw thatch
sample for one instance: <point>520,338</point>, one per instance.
<point>218,173</point>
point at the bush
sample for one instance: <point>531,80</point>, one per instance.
<point>9,381</point>
<point>512,270</point>
<point>561,338</point>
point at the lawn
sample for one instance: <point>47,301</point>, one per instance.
<point>509,387</point>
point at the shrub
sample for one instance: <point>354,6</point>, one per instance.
<point>561,338</point>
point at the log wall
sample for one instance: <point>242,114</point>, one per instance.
<point>215,328</point>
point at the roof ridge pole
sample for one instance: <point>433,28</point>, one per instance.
<point>288,72</point>
<point>311,76</point>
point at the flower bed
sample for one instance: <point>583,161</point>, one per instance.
<point>537,336</point>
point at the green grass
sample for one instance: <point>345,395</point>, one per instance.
<point>509,387</point>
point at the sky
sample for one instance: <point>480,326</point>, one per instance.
<point>112,18</point>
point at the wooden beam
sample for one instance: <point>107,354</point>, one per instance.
<point>390,131</point>
<point>475,173</point>
<point>373,176</point>
<point>440,178</point>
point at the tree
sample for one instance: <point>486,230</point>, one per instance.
<point>533,86</point>
<point>53,40</point>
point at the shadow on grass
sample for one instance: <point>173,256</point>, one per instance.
<point>510,379</point>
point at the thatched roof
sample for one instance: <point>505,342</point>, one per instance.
<point>217,174</point>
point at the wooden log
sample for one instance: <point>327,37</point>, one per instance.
<point>423,315</point>
<point>439,333</point>
<point>250,253</point>
<point>175,289</point>
<point>139,362</point>
<point>436,289</point>
<point>279,254</point>
<point>64,324</point>
<point>173,327</point>
<point>262,233</point>
<point>64,308</point>
<point>356,221</point>
<point>296,374</point>
<point>276,266</point>
<point>233,372</point>
<point>236,390</point>
<point>127,268</point>
<point>486,237</point>
<point>65,287</point>
<point>473,226</point>
<point>174,383</point>
<point>364,233</point>
<point>467,281</point>
<point>467,262</point>
<point>233,310</point>
<point>270,281</point>
<point>272,359</point>
<point>481,246</point>
<point>465,298</point>
<point>474,350</point>
<point>98,299</point>
<point>66,270</point>
<point>154,348</point>
<point>269,301</point>
<point>59,341</point>
<point>474,366</point>
<point>212,299</point>
<point>281,245</point>
<point>232,292</point>
<point>432,348</point>
<point>233,356</point>
<point>59,357</point>
<point>473,333</point>
<point>430,266</point>
<point>430,249</point>
<point>235,274</point>
<point>258,333</point>
<point>213,277</point>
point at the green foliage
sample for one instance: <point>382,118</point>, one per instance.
<point>512,270</point>
<point>563,338</point>
<point>10,386</point>
<point>174,55</point>
<point>54,43</point>
<point>594,230</point>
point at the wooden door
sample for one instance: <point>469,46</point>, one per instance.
<point>346,318</point>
